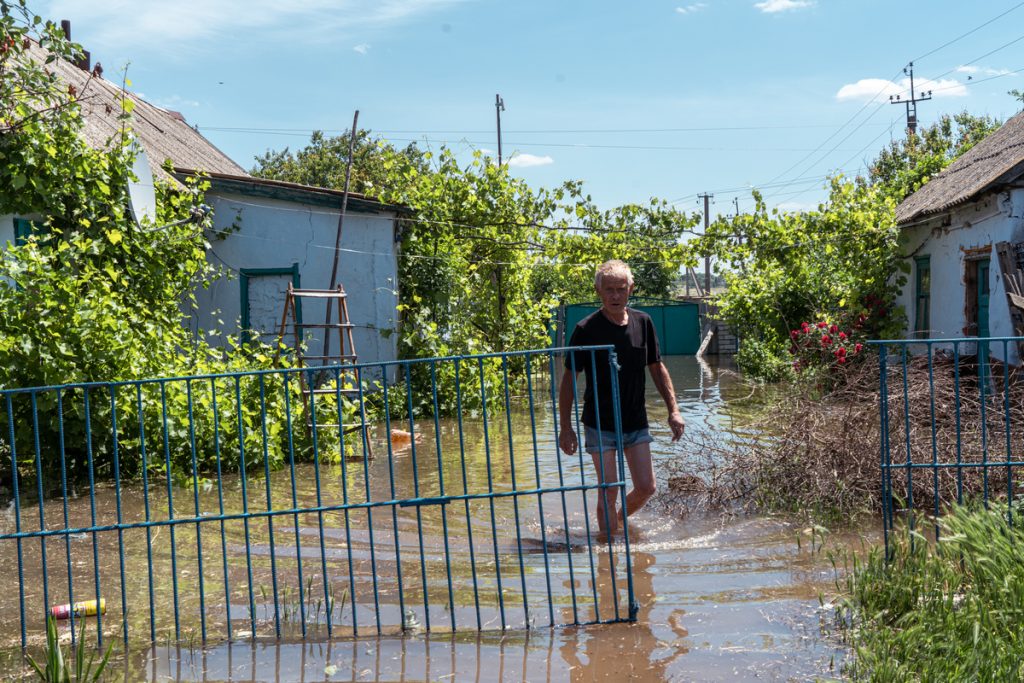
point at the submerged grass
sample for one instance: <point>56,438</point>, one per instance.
<point>949,610</point>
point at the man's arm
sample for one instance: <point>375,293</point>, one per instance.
<point>662,380</point>
<point>566,394</point>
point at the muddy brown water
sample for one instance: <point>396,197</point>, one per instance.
<point>720,597</point>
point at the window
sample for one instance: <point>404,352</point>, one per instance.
<point>922,296</point>
<point>22,230</point>
<point>263,294</point>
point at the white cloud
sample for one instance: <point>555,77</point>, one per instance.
<point>690,9</point>
<point>773,6</point>
<point>172,102</point>
<point>127,24</point>
<point>362,48</point>
<point>878,89</point>
<point>528,160</point>
<point>983,70</point>
<point>795,207</point>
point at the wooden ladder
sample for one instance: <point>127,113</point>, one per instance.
<point>346,355</point>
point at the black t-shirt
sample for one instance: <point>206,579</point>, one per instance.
<point>636,347</point>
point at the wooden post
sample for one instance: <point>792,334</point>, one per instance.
<point>1013,281</point>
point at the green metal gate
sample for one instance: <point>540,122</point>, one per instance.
<point>677,322</point>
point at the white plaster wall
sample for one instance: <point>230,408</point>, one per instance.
<point>6,229</point>
<point>276,234</point>
<point>996,218</point>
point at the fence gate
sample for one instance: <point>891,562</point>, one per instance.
<point>204,507</point>
<point>677,322</point>
<point>951,416</point>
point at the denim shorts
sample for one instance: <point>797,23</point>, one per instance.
<point>607,439</point>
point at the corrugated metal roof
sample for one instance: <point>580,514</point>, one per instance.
<point>163,134</point>
<point>996,160</point>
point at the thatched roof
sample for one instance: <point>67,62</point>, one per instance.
<point>163,134</point>
<point>992,163</point>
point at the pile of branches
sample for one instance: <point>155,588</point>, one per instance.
<point>817,450</point>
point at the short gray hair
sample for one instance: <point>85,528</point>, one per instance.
<point>613,268</point>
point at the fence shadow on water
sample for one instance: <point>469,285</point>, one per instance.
<point>360,500</point>
<point>952,419</point>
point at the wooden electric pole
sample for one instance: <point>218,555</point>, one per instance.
<point>707,259</point>
<point>912,102</point>
<point>499,106</point>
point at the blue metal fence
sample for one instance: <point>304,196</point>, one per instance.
<point>950,411</point>
<point>246,505</point>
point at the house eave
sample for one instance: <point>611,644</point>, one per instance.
<point>291,192</point>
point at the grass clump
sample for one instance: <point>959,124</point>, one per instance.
<point>949,610</point>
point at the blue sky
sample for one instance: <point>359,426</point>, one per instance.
<point>642,99</point>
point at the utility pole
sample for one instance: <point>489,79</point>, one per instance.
<point>337,238</point>
<point>499,106</point>
<point>736,203</point>
<point>912,102</point>
<point>707,259</point>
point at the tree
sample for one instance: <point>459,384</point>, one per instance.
<point>91,296</point>
<point>323,162</point>
<point>903,166</point>
<point>485,257</point>
<point>839,264</point>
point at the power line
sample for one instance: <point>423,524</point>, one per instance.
<point>880,92</point>
<point>455,224</point>
<point>550,131</point>
<point>976,59</point>
<point>569,145</point>
<point>964,35</point>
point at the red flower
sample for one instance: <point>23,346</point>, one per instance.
<point>804,326</point>
<point>842,336</point>
<point>833,329</point>
<point>826,340</point>
<point>857,348</point>
<point>794,334</point>
<point>841,351</point>
<point>842,360</point>
<point>822,325</point>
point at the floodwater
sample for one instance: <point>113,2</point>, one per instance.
<point>719,597</point>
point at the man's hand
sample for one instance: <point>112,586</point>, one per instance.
<point>676,424</point>
<point>567,440</point>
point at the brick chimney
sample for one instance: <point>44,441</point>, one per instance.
<point>85,63</point>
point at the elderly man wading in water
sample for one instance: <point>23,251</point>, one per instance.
<point>632,334</point>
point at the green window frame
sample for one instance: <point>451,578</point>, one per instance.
<point>245,274</point>
<point>922,295</point>
<point>23,229</point>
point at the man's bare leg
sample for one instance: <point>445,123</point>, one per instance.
<point>607,499</point>
<point>641,471</point>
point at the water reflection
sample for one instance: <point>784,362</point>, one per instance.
<point>637,651</point>
<point>718,599</point>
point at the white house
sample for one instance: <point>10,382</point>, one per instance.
<point>276,233</point>
<point>271,233</point>
<point>952,228</point>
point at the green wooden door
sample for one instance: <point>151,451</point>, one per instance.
<point>983,328</point>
